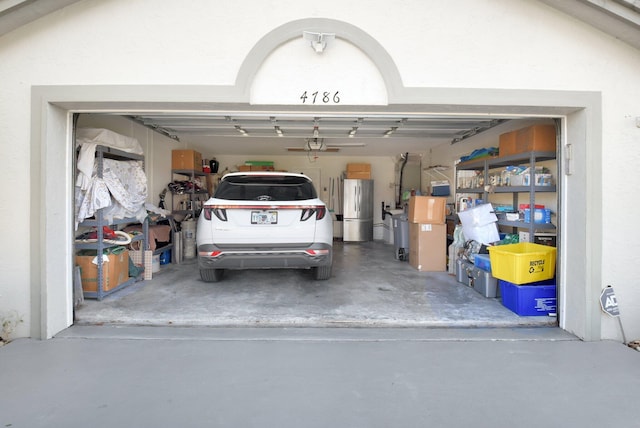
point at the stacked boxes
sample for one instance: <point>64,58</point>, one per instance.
<point>361,171</point>
<point>427,233</point>
<point>527,277</point>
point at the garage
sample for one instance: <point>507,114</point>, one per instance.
<point>343,88</point>
<point>371,284</point>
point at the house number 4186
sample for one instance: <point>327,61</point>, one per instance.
<point>320,97</point>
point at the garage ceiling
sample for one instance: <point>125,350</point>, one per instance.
<point>280,133</point>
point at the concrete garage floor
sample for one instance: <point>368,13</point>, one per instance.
<point>368,288</point>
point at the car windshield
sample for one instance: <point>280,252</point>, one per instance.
<point>268,188</point>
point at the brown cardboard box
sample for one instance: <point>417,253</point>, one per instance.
<point>507,145</point>
<point>244,168</point>
<point>428,247</point>
<point>427,209</point>
<point>358,167</point>
<point>186,159</point>
<point>359,175</point>
<point>541,138</point>
<point>114,272</point>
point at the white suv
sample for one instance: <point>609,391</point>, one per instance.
<point>264,220</point>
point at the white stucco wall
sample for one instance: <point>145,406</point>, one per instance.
<point>462,44</point>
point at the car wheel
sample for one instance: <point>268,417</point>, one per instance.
<point>321,273</point>
<point>211,275</point>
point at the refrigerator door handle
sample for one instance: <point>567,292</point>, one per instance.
<point>357,201</point>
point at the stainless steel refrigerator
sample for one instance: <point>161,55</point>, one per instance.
<point>357,210</point>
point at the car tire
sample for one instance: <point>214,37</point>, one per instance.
<point>321,273</point>
<point>211,275</point>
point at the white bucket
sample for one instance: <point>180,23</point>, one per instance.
<point>155,263</point>
<point>188,229</point>
<point>189,248</point>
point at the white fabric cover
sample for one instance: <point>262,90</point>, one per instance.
<point>108,138</point>
<point>88,138</point>
<point>122,190</point>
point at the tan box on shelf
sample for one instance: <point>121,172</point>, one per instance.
<point>358,167</point>
<point>427,209</point>
<point>359,175</point>
<point>115,271</point>
<point>536,138</point>
<point>428,247</point>
<point>186,159</point>
<point>507,144</point>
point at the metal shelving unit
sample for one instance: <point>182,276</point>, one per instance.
<point>98,222</point>
<point>485,165</point>
<point>194,199</point>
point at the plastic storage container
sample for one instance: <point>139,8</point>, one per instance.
<point>523,263</point>
<point>478,279</point>
<point>536,299</point>
<point>482,261</point>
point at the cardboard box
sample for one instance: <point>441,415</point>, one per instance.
<point>428,247</point>
<point>359,171</point>
<point>358,167</point>
<point>427,209</point>
<point>359,175</point>
<point>507,143</point>
<point>115,271</point>
<point>186,159</point>
<point>539,138</point>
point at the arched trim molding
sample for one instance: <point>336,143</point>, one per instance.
<point>363,41</point>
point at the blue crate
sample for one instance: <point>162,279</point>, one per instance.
<point>533,299</point>
<point>482,261</point>
<point>440,190</point>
